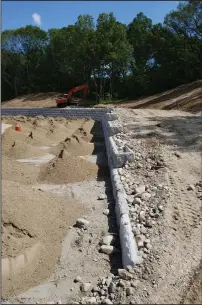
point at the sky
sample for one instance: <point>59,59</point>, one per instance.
<point>57,14</point>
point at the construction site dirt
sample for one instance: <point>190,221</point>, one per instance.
<point>50,178</point>
<point>53,162</point>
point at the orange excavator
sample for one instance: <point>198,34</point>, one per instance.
<point>63,100</point>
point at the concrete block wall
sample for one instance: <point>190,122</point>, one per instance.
<point>116,159</point>
<point>93,113</point>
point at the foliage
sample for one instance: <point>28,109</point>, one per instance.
<point>117,61</point>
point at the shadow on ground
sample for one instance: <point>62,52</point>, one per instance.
<point>104,175</point>
<point>183,132</point>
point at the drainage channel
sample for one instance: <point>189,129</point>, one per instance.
<point>91,248</point>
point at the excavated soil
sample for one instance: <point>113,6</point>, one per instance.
<point>173,272</point>
<point>187,97</point>
<point>31,215</point>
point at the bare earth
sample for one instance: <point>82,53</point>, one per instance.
<point>187,97</point>
<point>47,185</point>
<point>40,100</point>
<point>173,273</point>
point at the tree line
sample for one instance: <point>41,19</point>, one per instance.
<point>116,61</point>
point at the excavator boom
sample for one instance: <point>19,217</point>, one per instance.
<point>63,100</point>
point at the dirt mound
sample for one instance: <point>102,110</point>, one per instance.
<point>74,145</point>
<point>39,100</point>
<point>18,149</point>
<point>34,220</point>
<point>21,230</point>
<point>187,97</point>
<point>66,168</point>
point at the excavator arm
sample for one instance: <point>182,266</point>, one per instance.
<point>63,100</point>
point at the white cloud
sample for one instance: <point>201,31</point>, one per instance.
<point>36,18</point>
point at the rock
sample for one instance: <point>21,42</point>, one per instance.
<point>108,249</point>
<point>112,287</point>
<point>177,155</point>
<point>77,279</point>
<point>124,274</point>
<point>108,281</point>
<point>139,260</point>
<point>148,246</point>
<point>146,196</point>
<point>191,187</point>
<point>102,197</point>
<point>87,300</point>
<point>129,291</point>
<point>82,223</point>
<point>145,276</point>
<point>130,199</point>
<point>139,165</point>
<point>149,223</point>
<point>137,200</point>
<point>107,301</point>
<point>142,216</point>
<point>136,231</point>
<point>120,171</point>
<point>160,208</point>
<point>130,269</point>
<point>86,287</point>
<point>140,240</point>
<point>135,283</point>
<point>102,292</point>
<point>106,212</point>
<point>108,240</point>
<point>122,283</point>
<point>143,230</point>
<point>140,189</point>
<point>140,243</point>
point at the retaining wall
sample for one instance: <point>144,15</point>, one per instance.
<point>116,159</point>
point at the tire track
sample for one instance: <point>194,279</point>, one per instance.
<point>186,207</point>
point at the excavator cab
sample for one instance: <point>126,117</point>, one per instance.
<point>64,100</point>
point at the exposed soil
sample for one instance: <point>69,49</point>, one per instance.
<point>193,293</point>
<point>172,274</point>
<point>40,100</point>
<point>33,212</point>
<point>172,270</point>
<point>187,97</point>
<point>67,169</point>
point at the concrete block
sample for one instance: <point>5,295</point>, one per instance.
<point>128,244</point>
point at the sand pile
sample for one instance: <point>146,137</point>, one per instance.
<point>85,131</point>
<point>31,217</point>
<point>18,149</point>
<point>74,145</point>
<point>66,168</point>
<point>15,171</point>
<point>52,217</point>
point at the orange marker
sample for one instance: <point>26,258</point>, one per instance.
<point>18,128</point>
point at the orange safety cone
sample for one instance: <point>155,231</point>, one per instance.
<point>18,128</point>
